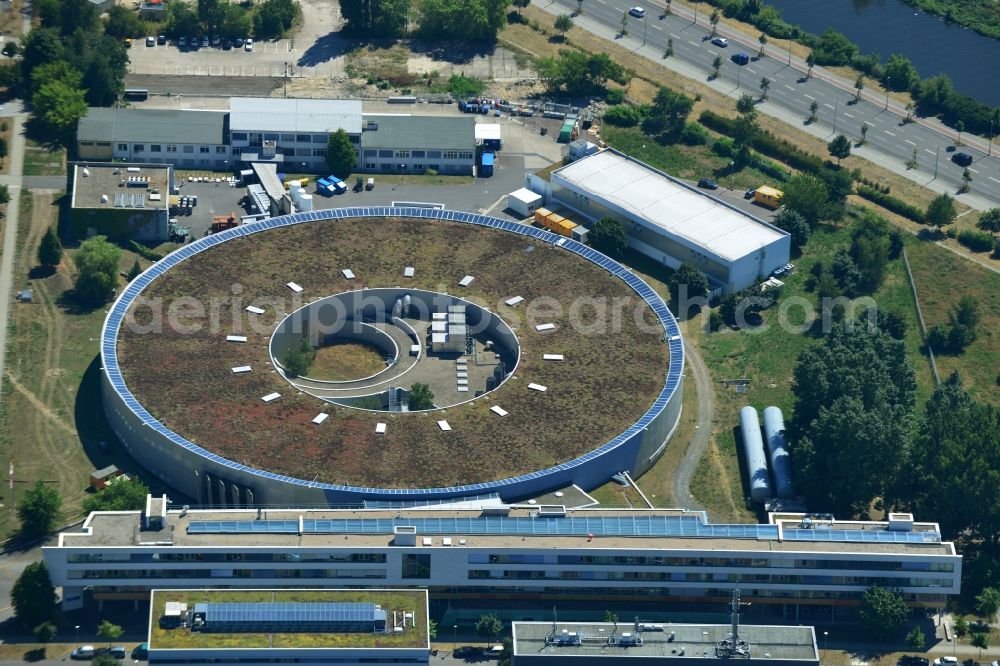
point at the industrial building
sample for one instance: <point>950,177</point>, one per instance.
<point>668,220</point>
<point>195,626</point>
<point>185,138</point>
<point>637,643</point>
<point>796,568</point>
<point>416,144</point>
<point>290,132</point>
<point>121,201</point>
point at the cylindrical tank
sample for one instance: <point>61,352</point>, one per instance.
<point>781,464</point>
<point>753,451</point>
<point>297,193</point>
<point>407,304</point>
<point>397,308</point>
<point>292,184</point>
<point>306,202</point>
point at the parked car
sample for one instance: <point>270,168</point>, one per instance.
<point>182,42</point>
<point>637,12</point>
<point>205,41</point>
<point>127,43</point>
<point>151,41</point>
<point>238,42</point>
<point>946,661</point>
<point>720,41</point>
<point>740,58</point>
<point>910,660</point>
<point>161,39</point>
<point>962,159</point>
<point>749,194</point>
<point>248,45</point>
<point>227,45</point>
<point>84,652</point>
<point>216,41</point>
<point>371,184</point>
<point>708,184</point>
<point>118,651</point>
<point>141,651</point>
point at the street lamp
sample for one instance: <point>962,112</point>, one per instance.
<point>937,154</point>
<point>826,635</point>
<point>644,24</point>
<point>454,636</point>
<point>888,82</point>
<point>77,633</point>
<point>990,150</point>
<point>836,105</point>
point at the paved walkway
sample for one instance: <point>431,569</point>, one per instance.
<point>13,183</point>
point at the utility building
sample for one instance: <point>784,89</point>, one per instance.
<point>672,222</point>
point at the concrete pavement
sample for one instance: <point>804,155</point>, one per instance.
<point>889,144</point>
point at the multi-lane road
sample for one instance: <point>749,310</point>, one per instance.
<point>889,142</point>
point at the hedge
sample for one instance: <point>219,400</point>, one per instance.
<point>144,252</point>
<point>891,203</point>
<point>766,143</point>
<point>977,241</point>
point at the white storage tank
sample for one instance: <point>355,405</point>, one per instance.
<point>407,303</point>
<point>297,193</point>
<point>306,202</point>
<point>781,463</point>
<point>753,452</point>
<point>292,184</point>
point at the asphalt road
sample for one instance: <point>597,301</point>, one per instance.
<point>889,143</point>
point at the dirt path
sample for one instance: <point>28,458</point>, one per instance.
<point>43,409</point>
<point>702,435</point>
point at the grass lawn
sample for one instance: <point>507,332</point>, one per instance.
<point>40,161</point>
<point>342,361</point>
<point>390,600</point>
<point>615,495</point>
<point>942,278</point>
<point>53,424</point>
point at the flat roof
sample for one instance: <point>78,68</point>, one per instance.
<point>106,180</point>
<point>270,114</point>
<point>372,528</point>
<point>420,132</point>
<point>675,207</point>
<point>395,603</point>
<point>697,641</point>
<point>173,126</point>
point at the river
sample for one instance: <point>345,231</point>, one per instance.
<point>890,26</point>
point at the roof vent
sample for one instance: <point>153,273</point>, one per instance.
<point>372,126</point>
<point>900,522</point>
<point>404,535</point>
<point>86,172</point>
<point>552,511</point>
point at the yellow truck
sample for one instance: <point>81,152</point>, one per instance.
<point>768,196</point>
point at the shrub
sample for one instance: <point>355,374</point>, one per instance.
<point>977,241</point>
<point>144,252</point>
<point>891,203</point>
<point>622,116</point>
<point>694,134</point>
<point>615,96</point>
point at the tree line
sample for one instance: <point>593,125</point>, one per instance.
<point>460,20</point>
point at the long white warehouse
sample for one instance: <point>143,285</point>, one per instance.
<point>670,221</point>
<point>802,568</point>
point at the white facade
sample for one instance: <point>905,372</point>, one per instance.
<point>113,557</point>
<point>672,222</point>
<point>212,156</point>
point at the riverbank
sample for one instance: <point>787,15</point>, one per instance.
<point>983,17</point>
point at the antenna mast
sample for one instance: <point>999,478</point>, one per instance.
<point>734,646</point>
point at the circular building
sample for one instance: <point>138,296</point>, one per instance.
<point>392,354</point>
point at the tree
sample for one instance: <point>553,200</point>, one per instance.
<point>298,359</point>
<point>33,597</point>
<point>988,604</point>
<point>109,631</point>
<point>521,4</point>
<point>796,225</point>
<point>134,272</point>
<point>475,20</point>
<point>966,179</point>
<point>898,73</point>
<point>58,108</point>
<point>959,127</point>
<point>622,115</point>
<point>835,48</point>
<point>941,212</point>
<point>714,20</point>
<point>120,495</point>
<point>813,108</point>
<point>45,632</point>
<point>103,81</point>
<point>810,62</point>
<point>104,659</point>
<point>563,23</point>
<point>488,626</point>
<point>807,195</point>
<point>340,154</point>
<point>864,134</point>
<point>871,247</point>
<point>763,42</point>
<point>50,250</point>
<point>608,236</point>
<point>982,641</point>
<point>211,14</point>
<point>859,85</point>
<point>61,71</point>
<point>765,83</point>
<point>961,627</point>
<point>916,640</point>
<point>4,194</point>
<point>667,115</point>
<point>578,73</point>
<point>375,18</point>
<point>687,282</point>
<point>274,18</point>
<point>854,398</point>
<point>883,611</point>
<point>39,509</point>
<point>746,104</point>
<point>840,147</point>
<point>182,20</point>
<point>421,397</point>
<point>97,263</point>
<point>716,64</point>
<point>990,221</point>
<point>624,23</point>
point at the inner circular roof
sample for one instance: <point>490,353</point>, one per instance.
<point>613,368</point>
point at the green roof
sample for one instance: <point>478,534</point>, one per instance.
<point>399,600</point>
<point>419,132</point>
<point>154,126</point>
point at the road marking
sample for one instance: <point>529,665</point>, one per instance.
<point>693,43</point>
<point>972,170</point>
<point>909,142</point>
<point>674,36</point>
<point>656,27</point>
<point>751,71</point>
<point>930,151</point>
<point>789,87</point>
<point>868,122</point>
<point>993,179</point>
<point>811,97</point>
<point>888,132</point>
<point>829,106</point>
<point>848,115</point>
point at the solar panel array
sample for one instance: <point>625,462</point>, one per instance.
<point>109,340</point>
<point>292,616</point>
<point>626,526</point>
